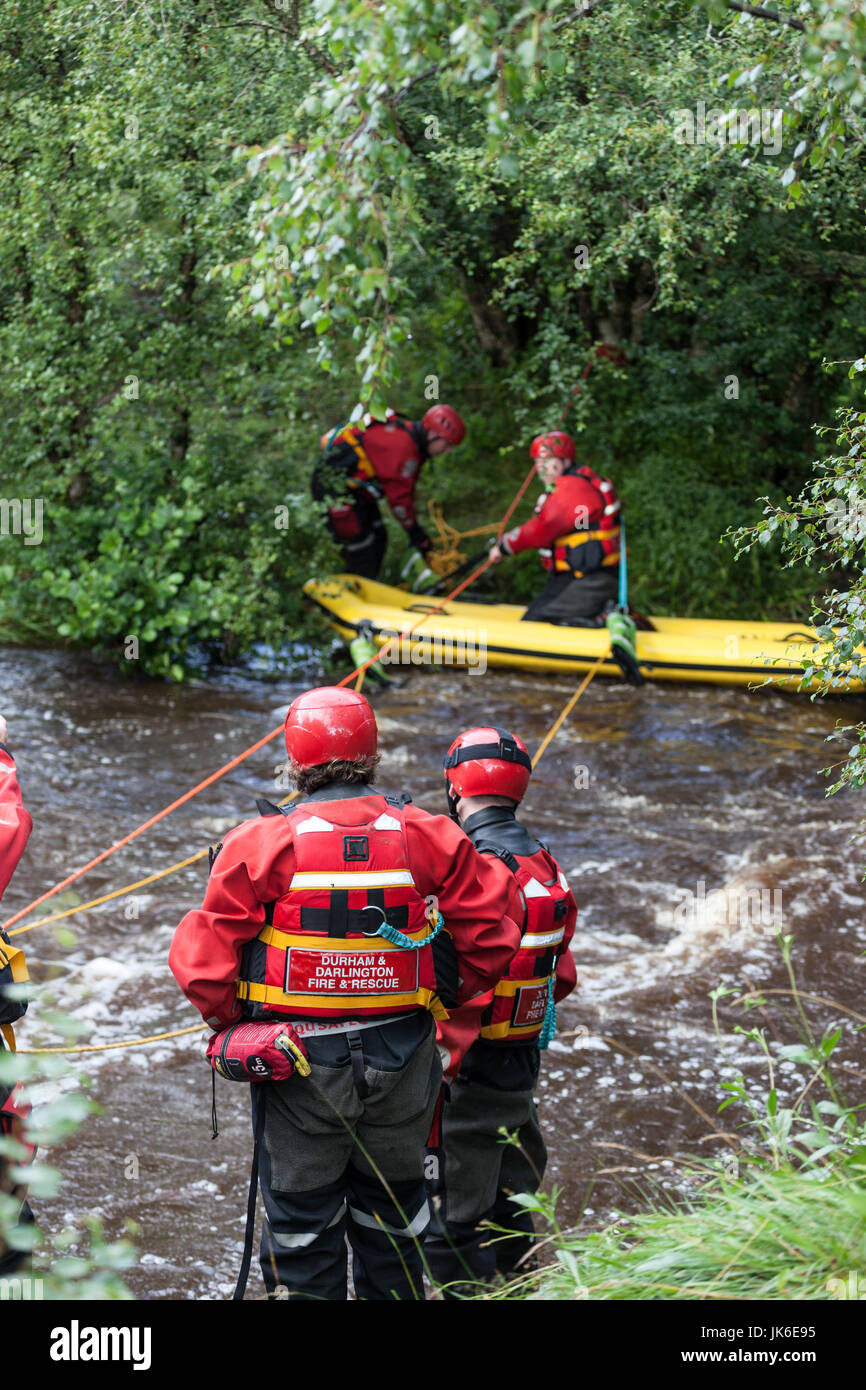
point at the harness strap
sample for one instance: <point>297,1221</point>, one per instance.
<point>356,1053</point>
<point>319,919</point>
<point>258,1102</point>
<point>338,912</point>
<point>505,855</point>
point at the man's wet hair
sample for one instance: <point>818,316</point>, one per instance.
<point>356,770</point>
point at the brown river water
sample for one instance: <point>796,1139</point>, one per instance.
<point>652,800</point>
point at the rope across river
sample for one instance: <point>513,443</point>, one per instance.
<point>358,674</point>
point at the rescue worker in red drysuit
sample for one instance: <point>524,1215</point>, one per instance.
<point>326,916</point>
<point>492,1042</point>
<point>371,459</point>
<point>576,530</point>
<point>15,828</point>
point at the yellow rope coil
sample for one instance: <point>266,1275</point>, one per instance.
<point>446,554</point>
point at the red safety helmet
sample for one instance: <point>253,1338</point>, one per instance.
<point>486,762</point>
<point>330,722</point>
<point>444,421</point>
<point>557,442</point>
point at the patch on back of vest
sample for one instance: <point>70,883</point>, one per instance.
<point>350,972</point>
<point>314,823</point>
<point>534,889</point>
<point>356,847</point>
<point>386,822</point>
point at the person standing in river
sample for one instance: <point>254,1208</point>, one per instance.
<point>15,827</point>
<point>493,1041</point>
<point>363,462</point>
<point>350,920</point>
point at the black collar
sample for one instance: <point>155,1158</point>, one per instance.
<point>340,791</point>
<point>497,827</point>
<point>489,815</point>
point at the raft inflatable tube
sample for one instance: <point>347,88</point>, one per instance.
<point>726,652</point>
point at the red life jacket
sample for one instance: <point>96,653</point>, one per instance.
<point>520,1000</point>
<point>348,439</point>
<point>318,955</point>
<point>565,553</point>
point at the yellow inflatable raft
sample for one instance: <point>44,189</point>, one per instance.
<point>727,652</point>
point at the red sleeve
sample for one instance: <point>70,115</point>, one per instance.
<point>481,906</point>
<point>397,463</point>
<point>15,822</point>
<point>252,868</point>
<point>555,517</point>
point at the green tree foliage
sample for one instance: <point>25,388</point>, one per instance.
<point>153,423</point>
<point>429,198</point>
<point>823,528</point>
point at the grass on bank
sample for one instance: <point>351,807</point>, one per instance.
<point>783,1218</point>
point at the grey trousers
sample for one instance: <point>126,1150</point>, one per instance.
<point>343,1155</point>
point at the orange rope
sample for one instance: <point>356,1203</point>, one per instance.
<point>566,710</point>
<point>100,858</point>
<point>358,673</point>
<point>507,517</point>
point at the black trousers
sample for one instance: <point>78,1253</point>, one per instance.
<point>571,602</point>
<point>481,1171</point>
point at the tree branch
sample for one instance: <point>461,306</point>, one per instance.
<point>421,77</point>
<point>577,14</point>
<point>760,13</point>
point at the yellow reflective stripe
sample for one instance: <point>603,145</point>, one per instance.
<point>13,956</point>
<point>273,936</point>
<point>8,1034</point>
<point>496,1030</point>
<point>307,1004</point>
<point>362,878</point>
<point>505,1030</point>
<point>510,987</point>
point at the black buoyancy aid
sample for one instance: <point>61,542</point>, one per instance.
<point>319,954</point>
